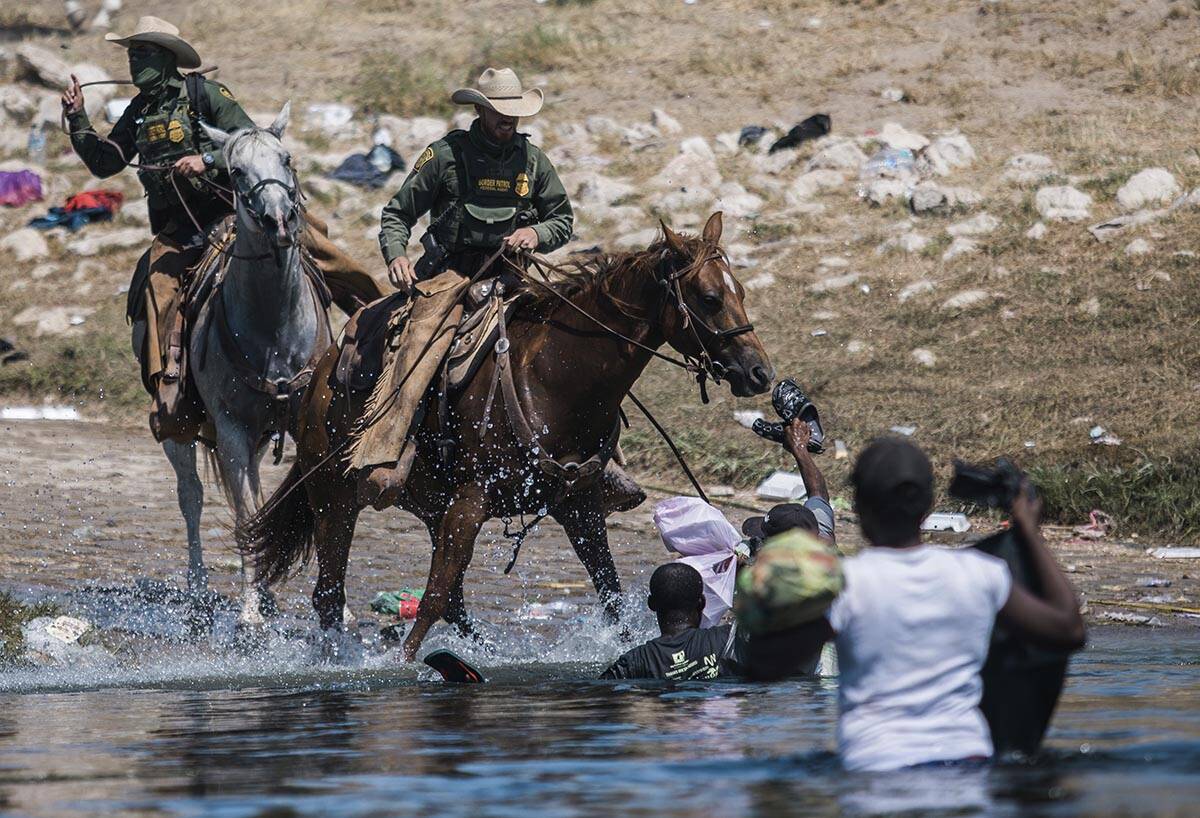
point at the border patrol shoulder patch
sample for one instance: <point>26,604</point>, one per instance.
<point>225,92</point>
<point>424,158</point>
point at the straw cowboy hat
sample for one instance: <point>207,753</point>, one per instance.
<point>161,33</point>
<point>501,90</point>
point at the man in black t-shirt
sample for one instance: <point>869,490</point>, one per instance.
<point>685,651</point>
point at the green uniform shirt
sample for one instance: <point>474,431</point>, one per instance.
<point>501,178</point>
<point>159,130</point>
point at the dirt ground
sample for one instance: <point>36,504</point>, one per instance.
<point>84,502</point>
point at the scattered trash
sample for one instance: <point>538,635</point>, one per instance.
<point>814,127</point>
<point>39,413</point>
<point>946,521</point>
<point>1102,437</point>
<point>80,209</point>
<point>9,354</point>
<point>907,431</point>
<point>1029,444</point>
<point>890,163</point>
<point>746,417</point>
<point>1132,619</point>
<point>402,603</point>
<point>1097,529</point>
<point>817,333</point>
<point>782,485</point>
<point>719,491</point>
<point>751,135</point>
<point>548,610</point>
<point>36,144</point>
<point>19,187</point>
<point>330,116</point>
<point>1152,582</point>
<point>1171,552</point>
<point>370,170</point>
<point>840,452</point>
<point>893,94</point>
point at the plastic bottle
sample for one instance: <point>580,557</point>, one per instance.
<point>36,146</point>
<point>890,163</point>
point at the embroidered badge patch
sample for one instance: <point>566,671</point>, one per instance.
<point>225,92</point>
<point>494,184</point>
<point>156,132</point>
<point>175,131</point>
<point>522,187</point>
<point>423,159</point>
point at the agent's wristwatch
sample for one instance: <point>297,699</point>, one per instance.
<point>209,160</point>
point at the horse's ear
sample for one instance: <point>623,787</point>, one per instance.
<point>218,136</point>
<point>673,240</point>
<point>712,229</point>
<point>281,122</point>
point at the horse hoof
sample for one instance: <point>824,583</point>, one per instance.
<point>198,615</point>
<point>268,605</point>
<point>249,637</point>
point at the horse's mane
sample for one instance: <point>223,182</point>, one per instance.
<point>597,273</point>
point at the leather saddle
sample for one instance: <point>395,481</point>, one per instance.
<point>371,330</point>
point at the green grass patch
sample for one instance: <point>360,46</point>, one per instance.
<point>1159,496</point>
<point>387,85</point>
<point>13,615</point>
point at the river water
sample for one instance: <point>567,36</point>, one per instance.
<point>192,731</point>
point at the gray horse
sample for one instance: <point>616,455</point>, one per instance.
<point>253,341</point>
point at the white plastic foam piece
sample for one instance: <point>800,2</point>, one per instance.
<point>39,413</point>
<point>944,521</point>
<point>782,485</point>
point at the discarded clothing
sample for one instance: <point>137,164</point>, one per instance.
<point>369,170</point>
<point>80,209</point>
<point>814,127</point>
<point>19,187</point>
<point>402,603</point>
<point>72,220</point>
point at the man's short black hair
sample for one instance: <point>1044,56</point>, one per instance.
<point>676,586</point>
<point>893,488</point>
<point>781,518</point>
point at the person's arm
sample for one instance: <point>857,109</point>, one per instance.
<point>623,668</point>
<point>556,219</point>
<point>795,439</point>
<point>101,158</point>
<point>1054,618</point>
<point>415,198</point>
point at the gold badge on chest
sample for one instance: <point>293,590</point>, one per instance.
<point>522,186</point>
<point>175,131</point>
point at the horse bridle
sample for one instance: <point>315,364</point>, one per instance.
<point>253,203</point>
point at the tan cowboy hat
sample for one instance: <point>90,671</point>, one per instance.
<point>161,33</point>
<point>501,90</point>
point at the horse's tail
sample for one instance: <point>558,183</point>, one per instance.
<point>279,536</point>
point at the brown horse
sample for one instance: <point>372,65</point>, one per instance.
<point>570,377</point>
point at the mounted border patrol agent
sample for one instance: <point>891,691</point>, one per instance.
<point>186,183</point>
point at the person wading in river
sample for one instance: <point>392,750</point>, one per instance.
<point>187,184</point>
<point>485,188</point>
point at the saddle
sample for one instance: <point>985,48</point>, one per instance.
<point>370,337</point>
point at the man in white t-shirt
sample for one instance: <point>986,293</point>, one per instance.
<point>913,623</point>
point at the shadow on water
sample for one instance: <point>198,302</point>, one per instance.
<point>194,730</point>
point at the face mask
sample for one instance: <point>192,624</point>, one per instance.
<point>148,70</point>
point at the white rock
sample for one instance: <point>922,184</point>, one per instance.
<point>759,281</point>
<point>928,198</point>
<point>837,154</point>
<point>1037,232</point>
<point>916,288</point>
<point>688,169</point>
<point>462,120</point>
<point>331,118</point>
<point>833,263</point>
<point>1028,168</point>
<point>1062,203</point>
<point>137,211</point>
<point>834,283</point>
<point>809,184</point>
<point>52,320</point>
<point>1152,186</point>
<point>698,146</point>
<point>961,246</point>
<point>639,240</point>
<point>878,191</point>
<point>966,299</point>
<point>910,242</point>
<point>948,152</point>
<point>727,142</point>
<point>104,242</point>
<point>1138,247</point>
<point>738,202</point>
<point>597,125</point>
<point>665,123</point>
<point>896,135</point>
<point>892,94</point>
<point>683,199</point>
<point>1090,307</point>
<point>16,103</point>
<point>979,225</point>
<point>43,65</point>
<point>924,357</point>
<point>597,189</point>
<point>25,244</point>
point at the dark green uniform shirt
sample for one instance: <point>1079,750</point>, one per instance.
<point>160,130</point>
<point>505,187</point>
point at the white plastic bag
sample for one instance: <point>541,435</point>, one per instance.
<point>699,532</point>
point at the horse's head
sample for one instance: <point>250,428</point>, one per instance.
<point>264,183</point>
<point>704,317</point>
